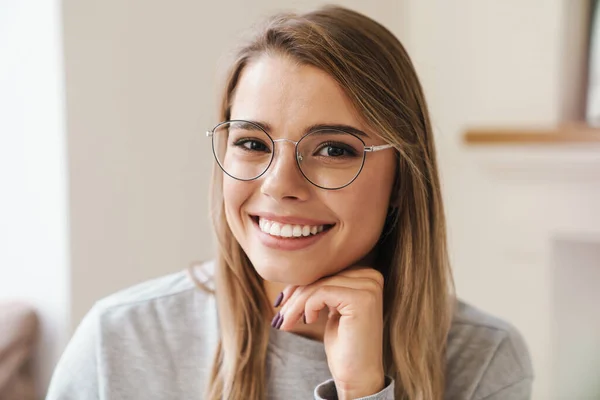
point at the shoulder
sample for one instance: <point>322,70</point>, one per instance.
<point>159,302</point>
<point>163,287</point>
<point>174,294</point>
<point>485,354</point>
<point>127,335</point>
<point>474,327</point>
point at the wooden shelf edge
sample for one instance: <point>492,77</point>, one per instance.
<point>531,136</point>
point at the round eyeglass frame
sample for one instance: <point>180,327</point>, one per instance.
<point>367,149</point>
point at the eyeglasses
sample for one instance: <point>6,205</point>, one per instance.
<point>329,158</point>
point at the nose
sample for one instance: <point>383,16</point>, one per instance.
<point>283,179</point>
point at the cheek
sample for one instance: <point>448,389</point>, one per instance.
<point>235,194</point>
<point>364,207</point>
<point>363,215</point>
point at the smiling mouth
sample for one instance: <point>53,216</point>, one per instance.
<point>289,231</point>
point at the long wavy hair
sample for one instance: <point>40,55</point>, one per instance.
<point>375,72</point>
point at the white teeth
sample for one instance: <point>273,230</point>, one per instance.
<point>297,232</point>
<point>266,226</point>
<point>275,229</point>
<point>305,230</point>
<point>288,230</point>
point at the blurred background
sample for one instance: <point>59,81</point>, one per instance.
<point>104,167</point>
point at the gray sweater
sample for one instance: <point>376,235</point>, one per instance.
<point>156,340</point>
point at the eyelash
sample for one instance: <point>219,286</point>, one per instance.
<point>351,152</point>
<point>240,143</point>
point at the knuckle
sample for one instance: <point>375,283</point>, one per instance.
<point>378,277</point>
<point>299,291</point>
<point>326,289</point>
<point>373,286</point>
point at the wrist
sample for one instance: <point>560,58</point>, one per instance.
<point>358,390</point>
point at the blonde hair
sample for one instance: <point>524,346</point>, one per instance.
<point>375,72</point>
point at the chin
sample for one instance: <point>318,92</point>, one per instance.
<point>289,273</point>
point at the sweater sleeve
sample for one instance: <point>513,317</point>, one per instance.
<point>518,391</point>
<point>327,391</point>
<point>76,374</point>
<point>509,374</point>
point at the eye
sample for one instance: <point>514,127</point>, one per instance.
<point>335,150</point>
<point>252,145</point>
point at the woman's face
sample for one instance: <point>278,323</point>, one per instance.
<point>289,98</point>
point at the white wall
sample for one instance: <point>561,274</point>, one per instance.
<point>503,64</point>
<point>34,249</point>
<point>577,296</point>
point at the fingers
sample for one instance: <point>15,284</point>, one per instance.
<point>308,301</point>
<point>293,299</point>
<point>293,310</point>
<point>283,297</point>
<point>342,301</point>
<point>367,273</point>
<point>355,272</point>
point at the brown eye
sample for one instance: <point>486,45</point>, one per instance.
<point>252,145</point>
<point>335,150</point>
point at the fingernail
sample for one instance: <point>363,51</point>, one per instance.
<point>280,322</point>
<point>278,300</point>
<point>304,318</point>
<point>275,320</point>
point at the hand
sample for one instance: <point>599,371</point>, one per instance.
<point>353,335</point>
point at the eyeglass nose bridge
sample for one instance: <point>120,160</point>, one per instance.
<point>295,143</point>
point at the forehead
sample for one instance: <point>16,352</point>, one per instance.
<point>288,95</point>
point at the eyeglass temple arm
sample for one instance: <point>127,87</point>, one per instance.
<point>209,133</point>
<point>371,149</point>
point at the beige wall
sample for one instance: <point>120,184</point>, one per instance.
<point>514,63</point>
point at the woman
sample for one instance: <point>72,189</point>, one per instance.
<point>332,277</point>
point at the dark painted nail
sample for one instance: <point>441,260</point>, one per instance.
<point>304,318</point>
<point>280,322</point>
<point>278,300</point>
<point>275,320</point>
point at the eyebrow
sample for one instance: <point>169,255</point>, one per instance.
<point>317,127</point>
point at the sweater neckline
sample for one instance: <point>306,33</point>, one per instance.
<point>298,345</point>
